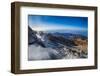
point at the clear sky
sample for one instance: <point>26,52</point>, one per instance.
<point>44,23</point>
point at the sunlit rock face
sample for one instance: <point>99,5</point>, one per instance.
<point>50,46</point>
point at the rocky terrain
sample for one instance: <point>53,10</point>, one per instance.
<point>49,46</point>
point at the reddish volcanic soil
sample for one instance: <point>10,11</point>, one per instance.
<point>81,44</point>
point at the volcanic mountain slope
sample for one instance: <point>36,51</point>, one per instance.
<point>45,46</point>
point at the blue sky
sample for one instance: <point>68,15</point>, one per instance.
<point>44,23</point>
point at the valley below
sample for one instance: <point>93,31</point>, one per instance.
<point>51,46</point>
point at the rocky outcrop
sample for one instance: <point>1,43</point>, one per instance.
<point>32,38</point>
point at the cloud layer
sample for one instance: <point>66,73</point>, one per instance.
<point>57,27</point>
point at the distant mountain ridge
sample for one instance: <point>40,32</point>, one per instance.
<point>70,35</point>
